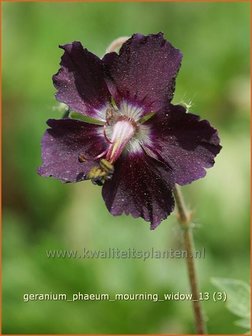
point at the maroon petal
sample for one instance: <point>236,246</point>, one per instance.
<point>185,143</point>
<point>144,71</point>
<point>142,187</point>
<point>63,143</point>
<point>80,81</point>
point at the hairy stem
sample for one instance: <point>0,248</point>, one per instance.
<point>184,218</point>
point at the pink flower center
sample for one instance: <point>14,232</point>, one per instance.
<point>123,130</point>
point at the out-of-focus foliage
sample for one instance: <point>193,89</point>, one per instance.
<point>42,214</point>
<point>238,295</point>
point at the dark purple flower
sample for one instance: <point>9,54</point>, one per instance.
<point>144,144</point>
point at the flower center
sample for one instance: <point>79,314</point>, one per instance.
<point>122,127</point>
<point>122,131</point>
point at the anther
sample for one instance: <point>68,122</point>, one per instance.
<point>82,158</point>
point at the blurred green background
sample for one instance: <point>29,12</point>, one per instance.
<point>41,214</point>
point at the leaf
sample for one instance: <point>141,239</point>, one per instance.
<point>238,298</point>
<point>244,323</point>
<point>87,119</point>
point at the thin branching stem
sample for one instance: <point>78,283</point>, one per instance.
<point>184,218</point>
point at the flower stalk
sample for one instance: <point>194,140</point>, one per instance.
<point>185,220</point>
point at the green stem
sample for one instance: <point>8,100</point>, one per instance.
<point>184,218</point>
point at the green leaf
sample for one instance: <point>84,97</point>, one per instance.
<point>244,323</point>
<point>146,117</point>
<point>238,298</point>
<point>87,119</point>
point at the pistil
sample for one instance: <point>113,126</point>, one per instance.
<point>123,130</point>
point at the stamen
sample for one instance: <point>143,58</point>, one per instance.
<point>83,158</point>
<point>105,135</point>
<point>123,130</point>
<point>100,155</point>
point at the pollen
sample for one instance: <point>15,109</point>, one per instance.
<point>98,175</point>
